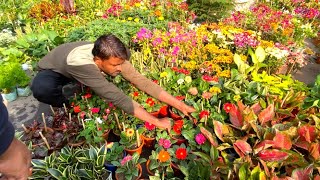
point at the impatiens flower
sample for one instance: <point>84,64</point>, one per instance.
<point>95,110</point>
<point>204,114</point>
<point>135,94</point>
<point>193,91</point>
<point>126,159</point>
<point>200,138</point>
<point>207,95</point>
<point>129,132</point>
<point>163,156</point>
<point>76,109</point>
<point>228,107</point>
<point>107,111</point>
<point>150,102</point>
<point>181,153</point>
<point>149,126</point>
<point>87,96</point>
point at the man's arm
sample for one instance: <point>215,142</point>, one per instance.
<point>153,89</point>
<point>15,158</point>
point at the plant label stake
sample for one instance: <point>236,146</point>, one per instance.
<point>75,96</point>
<point>117,120</point>
<point>24,128</point>
<point>65,108</point>
<point>124,128</point>
<point>45,140</point>
<point>52,110</point>
<point>138,138</point>
<point>44,122</point>
<point>83,123</point>
<point>70,117</point>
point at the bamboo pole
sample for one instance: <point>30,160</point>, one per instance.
<point>117,120</point>
<point>52,110</point>
<point>44,122</point>
<point>124,128</point>
<point>70,117</point>
<point>65,108</point>
<point>24,128</point>
<point>138,138</point>
<point>45,140</point>
<point>83,123</point>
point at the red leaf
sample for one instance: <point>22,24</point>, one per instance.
<point>272,155</point>
<point>282,140</point>
<point>266,114</point>
<point>256,108</point>
<point>302,174</point>
<point>218,129</point>
<point>317,177</point>
<point>235,116</point>
<point>265,144</point>
<point>315,150</point>
<point>302,144</point>
<point>307,133</point>
<point>241,106</point>
<point>243,146</point>
<point>209,136</point>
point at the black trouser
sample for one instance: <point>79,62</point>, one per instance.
<point>47,88</point>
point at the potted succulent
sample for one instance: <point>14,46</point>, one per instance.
<point>129,167</point>
<point>8,80</point>
<point>115,152</point>
<point>131,140</point>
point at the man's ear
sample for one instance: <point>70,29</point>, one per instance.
<point>97,60</point>
<point>128,53</point>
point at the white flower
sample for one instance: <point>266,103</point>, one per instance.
<point>99,120</point>
<point>180,81</point>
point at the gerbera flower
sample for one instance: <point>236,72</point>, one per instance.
<point>95,110</point>
<point>228,107</point>
<point>129,132</point>
<point>200,138</point>
<point>149,126</point>
<point>76,109</point>
<point>150,102</point>
<point>181,153</point>
<point>163,156</point>
<point>135,94</point>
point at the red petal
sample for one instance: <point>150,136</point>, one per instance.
<point>266,114</point>
<point>243,146</point>
<point>265,144</point>
<point>272,155</point>
<point>282,140</point>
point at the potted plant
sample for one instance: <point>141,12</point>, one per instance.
<point>8,80</point>
<point>175,132</point>
<point>23,81</point>
<point>129,167</point>
<point>159,164</point>
<point>148,134</point>
<point>115,152</point>
<point>131,140</point>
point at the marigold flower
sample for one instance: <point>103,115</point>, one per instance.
<point>129,132</point>
<point>158,12</point>
<point>76,109</point>
<point>181,153</point>
<point>215,90</point>
<point>200,138</point>
<point>163,156</point>
<point>95,110</point>
<point>126,159</point>
<point>149,126</point>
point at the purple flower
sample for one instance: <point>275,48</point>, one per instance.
<point>144,34</point>
<point>125,160</point>
<point>200,139</point>
<point>175,51</point>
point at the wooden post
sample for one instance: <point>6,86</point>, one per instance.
<point>117,120</point>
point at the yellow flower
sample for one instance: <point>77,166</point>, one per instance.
<point>225,73</point>
<point>127,7</point>
<point>188,79</point>
<point>215,90</point>
<point>130,18</point>
<point>163,74</point>
<point>123,20</point>
<point>236,97</point>
<point>137,4</point>
<point>144,8</point>
<point>136,19</point>
<point>161,18</point>
<point>129,132</point>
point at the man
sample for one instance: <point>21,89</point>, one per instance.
<point>84,62</point>
<point>15,158</point>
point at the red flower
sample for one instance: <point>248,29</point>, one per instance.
<point>149,126</point>
<point>82,114</point>
<point>76,109</point>
<point>204,114</point>
<point>209,78</point>
<point>135,94</point>
<point>88,95</point>
<point>180,98</point>
<point>150,102</point>
<point>163,111</point>
<point>179,123</point>
<point>228,107</point>
<point>95,110</point>
<point>178,126</point>
<point>181,153</point>
<point>156,81</point>
<point>107,111</point>
<point>72,104</point>
<point>99,128</point>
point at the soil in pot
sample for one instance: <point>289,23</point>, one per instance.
<point>135,149</point>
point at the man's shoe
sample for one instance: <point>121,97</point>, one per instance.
<point>70,89</point>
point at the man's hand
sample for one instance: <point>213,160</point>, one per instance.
<point>15,161</point>
<point>186,110</point>
<point>164,123</point>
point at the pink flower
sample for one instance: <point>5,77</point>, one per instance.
<point>125,160</point>
<point>161,141</point>
<point>166,143</point>
<point>107,111</point>
<point>207,95</point>
<point>95,110</point>
<point>82,114</point>
<point>149,126</point>
<point>200,139</point>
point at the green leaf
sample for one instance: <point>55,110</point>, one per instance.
<point>255,173</point>
<point>55,173</point>
<point>253,56</point>
<point>93,153</point>
<point>260,53</point>
<point>38,163</point>
<point>214,153</point>
<point>203,156</point>
<point>243,172</point>
<point>237,60</point>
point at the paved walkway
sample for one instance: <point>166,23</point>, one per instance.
<point>26,109</point>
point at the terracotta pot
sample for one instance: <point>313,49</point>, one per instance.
<point>147,167</point>
<point>138,149</point>
<point>176,170</point>
<point>148,142</point>
<point>120,177</point>
<point>105,134</point>
<point>173,115</point>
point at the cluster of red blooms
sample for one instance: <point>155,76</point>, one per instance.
<point>180,70</point>
<point>204,114</point>
<point>210,78</point>
<point>150,101</point>
<point>177,126</point>
<point>114,10</point>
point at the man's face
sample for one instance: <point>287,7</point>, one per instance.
<point>112,66</point>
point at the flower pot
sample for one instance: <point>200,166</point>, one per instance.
<point>138,149</point>
<point>110,167</point>
<point>147,167</point>
<point>120,176</point>
<point>148,142</point>
<point>105,134</point>
<point>72,141</point>
<point>173,115</point>
<point>10,96</point>
<point>176,170</point>
<point>24,91</point>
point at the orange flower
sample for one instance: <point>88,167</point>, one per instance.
<point>157,13</point>
<point>163,156</point>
